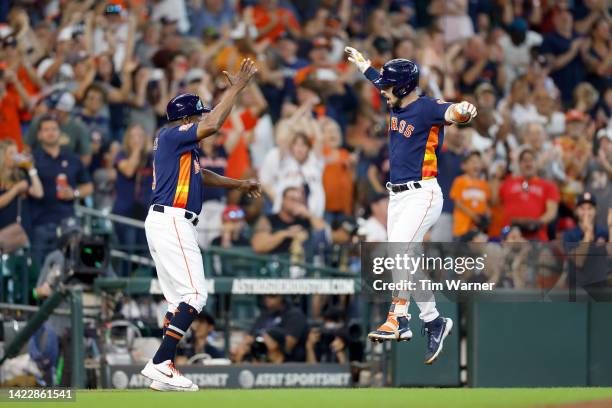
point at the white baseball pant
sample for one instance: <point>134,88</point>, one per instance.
<point>411,214</point>
<point>180,269</point>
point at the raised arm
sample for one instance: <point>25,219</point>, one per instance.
<point>214,120</point>
<point>36,188</point>
<point>462,112</point>
<point>363,65</point>
<point>24,97</point>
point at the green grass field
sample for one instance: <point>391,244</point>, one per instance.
<point>338,398</point>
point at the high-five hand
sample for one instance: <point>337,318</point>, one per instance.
<point>461,113</point>
<point>244,74</point>
<point>251,187</point>
<point>357,58</point>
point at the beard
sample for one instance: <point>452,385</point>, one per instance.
<point>395,104</point>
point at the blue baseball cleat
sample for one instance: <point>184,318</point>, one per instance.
<point>395,328</point>
<point>436,331</point>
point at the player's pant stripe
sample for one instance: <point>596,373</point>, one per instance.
<point>184,257</point>
<point>423,219</point>
<point>176,329</point>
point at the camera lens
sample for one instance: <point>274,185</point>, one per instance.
<point>259,350</point>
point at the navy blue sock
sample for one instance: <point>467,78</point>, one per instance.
<point>166,323</point>
<point>180,322</point>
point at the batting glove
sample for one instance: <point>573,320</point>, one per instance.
<point>357,58</point>
<point>463,112</point>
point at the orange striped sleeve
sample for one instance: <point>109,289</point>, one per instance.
<point>182,187</point>
<point>430,160</point>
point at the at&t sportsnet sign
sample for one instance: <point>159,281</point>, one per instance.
<point>243,376</point>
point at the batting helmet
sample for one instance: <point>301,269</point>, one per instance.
<point>401,74</point>
<point>185,105</point>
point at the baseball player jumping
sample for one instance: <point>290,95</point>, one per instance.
<point>173,215</point>
<point>416,133</point>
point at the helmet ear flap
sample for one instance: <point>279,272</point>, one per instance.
<point>403,90</point>
<point>184,105</point>
<point>400,91</point>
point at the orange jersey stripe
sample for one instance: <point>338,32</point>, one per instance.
<point>182,187</point>
<point>430,160</point>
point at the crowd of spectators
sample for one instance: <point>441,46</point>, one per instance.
<point>84,85</point>
<point>95,77</point>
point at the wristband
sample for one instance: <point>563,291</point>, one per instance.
<point>363,66</point>
<point>76,193</point>
<point>33,172</point>
<point>371,74</point>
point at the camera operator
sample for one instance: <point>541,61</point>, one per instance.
<point>278,314</point>
<point>43,348</point>
<point>333,341</point>
<point>52,275</point>
<point>340,247</point>
<point>270,346</point>
<point>199,341</point>
<point>78,259</point>
<point>53,271</point>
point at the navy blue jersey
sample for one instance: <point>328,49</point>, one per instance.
<point>134,192</point>
<point>571,73</point>
<point>50,209</point>
<point>416,134</point>
<point>177,179</point>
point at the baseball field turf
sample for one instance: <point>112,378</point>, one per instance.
<point>340,398</point>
